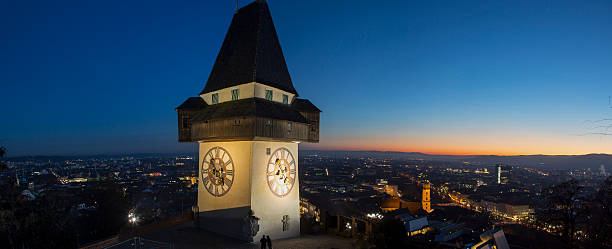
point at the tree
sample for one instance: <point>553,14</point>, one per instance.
<point>599,221</point>
<point>389,233</point>
<point>24,224</point>
<point>108,216</point>
<point>562,207</point>
<point>2,165</point>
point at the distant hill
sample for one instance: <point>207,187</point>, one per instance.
<point>101,156</point>
<point>592,161</point>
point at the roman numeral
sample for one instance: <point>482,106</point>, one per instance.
<point>227,182</point>
<point>230,172</point>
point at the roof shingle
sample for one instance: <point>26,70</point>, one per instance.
<point>250,52</point>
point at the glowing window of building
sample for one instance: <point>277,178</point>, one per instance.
<point>215,98</point>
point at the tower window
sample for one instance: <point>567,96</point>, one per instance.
<point>235,93</point>
<point>215,98</point>
<point>186,122</point>
<point>285,99</point>
<point>269,94</point>
<point>285,221</point>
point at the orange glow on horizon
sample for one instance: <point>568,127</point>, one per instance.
<point>507,145</point>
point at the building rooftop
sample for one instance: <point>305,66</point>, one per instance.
<point>250,52</point>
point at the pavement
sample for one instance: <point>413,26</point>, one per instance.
<point>188,236</point>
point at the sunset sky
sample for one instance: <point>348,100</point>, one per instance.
<point>443,77</point>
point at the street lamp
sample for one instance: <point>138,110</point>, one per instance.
<point>132,218</point>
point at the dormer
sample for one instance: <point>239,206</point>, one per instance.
<point>249,90</point>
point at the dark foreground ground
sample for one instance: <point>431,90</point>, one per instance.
<point>187,236</point>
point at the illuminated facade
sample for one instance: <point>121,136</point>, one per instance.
<point>498,169</point>
<point>248,122</point>
<point>392,190</point>
<point>426,199</point>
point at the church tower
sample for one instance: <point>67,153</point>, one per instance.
<point>425,199</point>
<point>248,122</point>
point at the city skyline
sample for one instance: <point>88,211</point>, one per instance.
<point>485,78</point>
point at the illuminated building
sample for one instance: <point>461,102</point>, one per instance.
<point>494,238</point>
<point>248,121</point>
<point>415,225</point>
<point>391,190</point>
<point>425,199</point>
<point>498,173</point>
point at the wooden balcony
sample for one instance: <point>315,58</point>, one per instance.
<point>248,120</point>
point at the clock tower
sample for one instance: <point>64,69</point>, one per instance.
<point>248,122</point>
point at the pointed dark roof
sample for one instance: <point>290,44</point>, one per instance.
<point>250,52</point>
<point>304,105</point>
<point>193,103</point>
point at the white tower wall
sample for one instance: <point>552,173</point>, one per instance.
<point>250,191</point>
<point>268,207</point>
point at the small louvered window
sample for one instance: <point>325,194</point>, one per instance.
<point>269,95</point>
<point>215,98</point>
<point>186,122</point>
<point>235,93</point>
<point>285,99</point>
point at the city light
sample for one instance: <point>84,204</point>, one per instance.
<point>375,216</point>
<point>132,218</point>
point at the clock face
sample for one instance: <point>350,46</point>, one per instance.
<point>280,172</point>
<point>217,171</point>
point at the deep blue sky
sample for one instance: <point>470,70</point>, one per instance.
<point>503,77</point>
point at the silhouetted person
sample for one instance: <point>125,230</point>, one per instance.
<point>269,242</point>
<point>263,241</point>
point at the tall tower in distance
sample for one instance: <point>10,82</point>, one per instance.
<point>248,121</point>
<point>498,169</point>
<point>426,199</point>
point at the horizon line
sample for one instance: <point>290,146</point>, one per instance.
<point>333,150</point>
